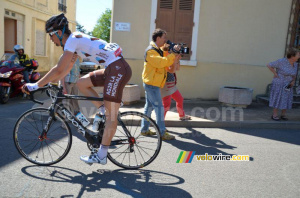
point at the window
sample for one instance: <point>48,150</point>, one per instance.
<point>176,17</point>
<point>40,38</point>
<point>62,5</point>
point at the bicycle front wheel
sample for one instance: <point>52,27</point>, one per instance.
<point>129,148</point>
<point>47,150</point>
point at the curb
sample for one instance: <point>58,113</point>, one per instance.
<point>244,124</point>
<point>202,123</point>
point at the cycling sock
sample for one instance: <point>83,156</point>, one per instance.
<point>102,152</point>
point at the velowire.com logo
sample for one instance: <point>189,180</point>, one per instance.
<point>187,157</point>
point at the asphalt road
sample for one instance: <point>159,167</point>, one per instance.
<point>273,169</point>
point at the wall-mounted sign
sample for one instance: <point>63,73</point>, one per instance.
<point>125,27</point>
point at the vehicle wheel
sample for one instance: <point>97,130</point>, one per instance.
<point>47,150</point>
<point>4,97</point>
<point>133,151</point>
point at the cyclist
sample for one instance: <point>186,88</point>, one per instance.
<point>114,77</point>
<point>24,61</point>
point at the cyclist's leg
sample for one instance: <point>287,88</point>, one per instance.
<point>86,83</point>
<point>116,75</point>
<point>112,109</point>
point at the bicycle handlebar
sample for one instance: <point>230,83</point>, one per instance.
<point>32,95</point>
<point>43,89</point>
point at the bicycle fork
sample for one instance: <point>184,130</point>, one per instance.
<point>43,135</point>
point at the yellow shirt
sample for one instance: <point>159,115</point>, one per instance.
<point>24,60</point>
<point>154,72</point>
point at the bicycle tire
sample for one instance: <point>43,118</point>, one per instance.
<point>31,128</point>
<point>132,121</point>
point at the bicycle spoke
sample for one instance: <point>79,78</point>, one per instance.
<point>122,132</point>
<point>55,143</point>
<point>39,150</point>
<point>34,121</point>
<point>124,157</point>
<point>135,157</point>
<point>145,148</point>
<point>52,148</point>
<point>117,148</point>
<point>139,124</point>
<point>32,125</point>
<point>31,131</point>
<point>49,150</point>
<point>27,139</point>
<point>43,151</point>
<point>140,153</point>
<point>30,144</point>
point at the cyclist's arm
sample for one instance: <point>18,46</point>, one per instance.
<point>63,67</point>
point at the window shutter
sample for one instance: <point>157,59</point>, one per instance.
<point>176,17</point>
<point>165,17</point>
<point>184,23</point>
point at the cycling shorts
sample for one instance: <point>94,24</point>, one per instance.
<point>113,79</point>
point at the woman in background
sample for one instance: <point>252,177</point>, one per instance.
<point>281,94</point>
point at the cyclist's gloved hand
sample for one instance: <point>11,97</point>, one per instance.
<point>28,87</point>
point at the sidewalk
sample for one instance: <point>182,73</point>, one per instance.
<point>211,114</point>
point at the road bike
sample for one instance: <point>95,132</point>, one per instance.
<point>43,135</point>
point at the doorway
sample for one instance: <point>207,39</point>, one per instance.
<point>10,34</point>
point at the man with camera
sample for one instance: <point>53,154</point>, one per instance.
<point>154,77</point>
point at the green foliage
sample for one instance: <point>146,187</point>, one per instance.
<point>80,28</point>
<point>102,28</point>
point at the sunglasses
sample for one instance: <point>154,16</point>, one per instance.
<point>51,33</point>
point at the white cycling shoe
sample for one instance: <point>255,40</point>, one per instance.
<point>93,159</point>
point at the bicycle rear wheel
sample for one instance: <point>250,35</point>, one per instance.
<point>47,150</point>
<point>135,150</point>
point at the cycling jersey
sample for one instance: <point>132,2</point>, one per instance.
<point>97,50</point>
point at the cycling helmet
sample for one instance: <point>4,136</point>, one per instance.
<point>18,47</point>
<point>57,22</point>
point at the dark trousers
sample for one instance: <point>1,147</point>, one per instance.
<point>26,75</point>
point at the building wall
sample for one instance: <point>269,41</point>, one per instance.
<point>36,13</point>
<point>235,40</point>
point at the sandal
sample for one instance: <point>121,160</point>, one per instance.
<point>283,117</point>
<point>186,117</point>
<point>275,118</point>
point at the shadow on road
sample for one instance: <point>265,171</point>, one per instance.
<point>203,144</point>
<point>136,183</point>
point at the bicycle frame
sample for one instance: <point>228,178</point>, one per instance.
<point>57,104</point>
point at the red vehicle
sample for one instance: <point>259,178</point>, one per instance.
<point>11,79</point>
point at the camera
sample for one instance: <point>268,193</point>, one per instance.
<point>183,50</point>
